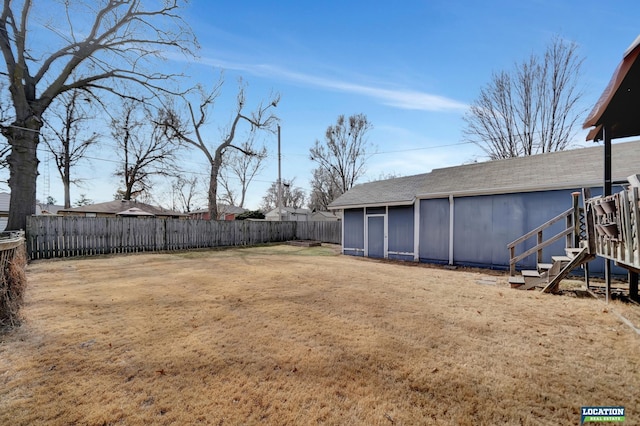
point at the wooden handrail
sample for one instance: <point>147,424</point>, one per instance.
<point>540,246</point>
<point>540,228</point>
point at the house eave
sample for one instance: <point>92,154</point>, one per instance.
<point>508,190</point>
<point>380,204</point>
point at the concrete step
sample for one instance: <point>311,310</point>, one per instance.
<point>516,281</point>
<point>533,278</point>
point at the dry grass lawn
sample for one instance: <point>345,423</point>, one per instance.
<point>288,336</point>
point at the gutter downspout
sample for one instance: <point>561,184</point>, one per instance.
<point>416,231</point>
<point>342,228</point>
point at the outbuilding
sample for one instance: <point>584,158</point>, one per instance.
<point>466,215</point>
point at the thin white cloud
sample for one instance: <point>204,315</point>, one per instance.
<point>398,98</point>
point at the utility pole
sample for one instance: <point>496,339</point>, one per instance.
<point>279,179</point>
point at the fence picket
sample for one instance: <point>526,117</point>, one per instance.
<point>67,236</point>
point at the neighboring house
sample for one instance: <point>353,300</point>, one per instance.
<point>289,214</point>
<point>466,215</point>
<point>121,208</point>
<point>225,212</point>
<point>319,216</point>
<point>5,199</point>
<point>45,209</point>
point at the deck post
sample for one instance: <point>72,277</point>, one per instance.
<point>606,190</point>
<point>586,275</point>
<point>633,286</point>
<point>512,265</point>
<point>539,253</point>
<point>576,219</point>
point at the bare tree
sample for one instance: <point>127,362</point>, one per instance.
<point>5,117</point>
<point>239,168</point>
<point>83,201</point>
<point>189,130</point>
<point>185,193</point>
<point>292,196</point>
<point>531,110</point>
<point>323,190</point>
<point>343,155</point>
<point>144,149</point>
<point>97,48</point>
<point>67,137</point>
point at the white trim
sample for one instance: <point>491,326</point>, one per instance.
<point>451,228</point>
<point>342,236</point>
<point>416,231</point>
<point>352,249</point>
<point>381,204</point>
<point>476,192</point>
<point>386,232</point>
<point>508,190</point>
<point>401,253</point>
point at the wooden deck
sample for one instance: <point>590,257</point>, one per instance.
<point>608,227</point>
<point>616,220</point>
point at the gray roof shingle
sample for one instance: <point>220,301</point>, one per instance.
<point>397,191</point>
<point>557,170</point>
<point>118,206</point>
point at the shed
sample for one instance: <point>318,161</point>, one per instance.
<point>322,216</point>
<point>225,212</point>
<point>289,214</point>
<point>466,215</point>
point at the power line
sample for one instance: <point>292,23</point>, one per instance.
<point>203,165</point>
<point>401,150</point>
<point>13,126</point>
<point>422,149</point>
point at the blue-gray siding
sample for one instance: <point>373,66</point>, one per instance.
<point>434,230</point>
<point>483,226</point>
<point>401,231</point>
<point>354,232</point>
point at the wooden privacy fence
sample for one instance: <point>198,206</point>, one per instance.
<point>67,236</point>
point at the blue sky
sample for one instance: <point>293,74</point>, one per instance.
<point>411,66</point>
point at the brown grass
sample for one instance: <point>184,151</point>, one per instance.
<point>290,335</point>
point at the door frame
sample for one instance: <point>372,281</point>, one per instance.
<point>385,232</point>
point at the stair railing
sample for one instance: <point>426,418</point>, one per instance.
<point>571,233</point>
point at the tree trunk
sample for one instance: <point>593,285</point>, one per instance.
<point>66,178</point>
<point>67,194</point>
<point>23,137</point>
<point>213,190</point>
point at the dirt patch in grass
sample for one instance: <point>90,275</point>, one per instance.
<point>291,335</point>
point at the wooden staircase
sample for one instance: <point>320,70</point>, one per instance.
<point>548,275</point>
<point>578,251</point>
